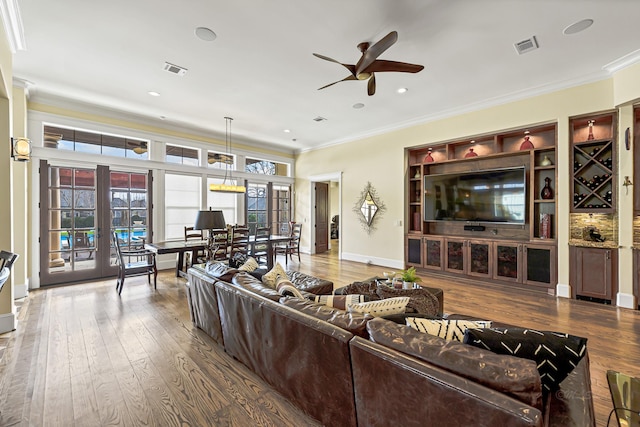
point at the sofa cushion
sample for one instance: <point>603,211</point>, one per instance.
<point>352,322</point>
<point>556,354</point>
<point>270,278</point>
<point>246,281</point>
<point>513,376</point>
<point>220,270</point>
<point>311,284</point>
<point>249,265</point>
<point>382,307</point>
<point>450,330</point>
<point>420,299</point>
<point>339,301</point>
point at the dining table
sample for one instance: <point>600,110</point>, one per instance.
<point>180,247</point>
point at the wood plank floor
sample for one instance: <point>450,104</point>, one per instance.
<point>82,356</point>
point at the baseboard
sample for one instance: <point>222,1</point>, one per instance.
<point>626,300</point>
<point>21,291</point>
<point>7,323</point>
<point>563,291</point>
<point>383,262</point>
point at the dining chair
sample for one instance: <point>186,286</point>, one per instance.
<point>145,264</point>
<point>239,241</point>
<point>292,247</point>
<point>191,233</point>
<point>260,248</point>
<point>220,244</point>
<point>6,261</point>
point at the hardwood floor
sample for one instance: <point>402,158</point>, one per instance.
<point>82,356</point>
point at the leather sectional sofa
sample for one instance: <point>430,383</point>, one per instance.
<point>350,369</point>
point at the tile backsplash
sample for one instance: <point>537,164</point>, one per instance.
<point>605,224</point>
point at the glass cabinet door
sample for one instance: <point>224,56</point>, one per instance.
<point>479,258</point>
<point>507,262</point>
<point>455,255</point>
<point>433,253</point>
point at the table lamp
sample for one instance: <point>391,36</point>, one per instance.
<point>210,220</point>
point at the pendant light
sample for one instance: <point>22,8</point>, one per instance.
<point>228,173</point>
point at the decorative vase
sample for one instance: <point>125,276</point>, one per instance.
<point>547,192</point>
<point>428,158</point>
<point>526,144</point>
<point>417,175</point>
<point>590,136</point>
<point>471,153</point>
<point>546,161</point>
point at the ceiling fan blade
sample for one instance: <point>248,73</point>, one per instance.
<point>372,53</point>
<point>381,65</point>
<point>350,77</point>
<point>351,68</point>
<point>371,85</point>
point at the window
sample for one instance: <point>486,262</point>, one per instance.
<point>182,203</point>
<point>281,214</point>
<point>257,208</point>
<point>94,142</point>
<point>220,160</point>
<point>226,202</point>
<point>181,155</point>
<point>266,167</point>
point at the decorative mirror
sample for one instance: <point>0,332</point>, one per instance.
<point>368,207</point>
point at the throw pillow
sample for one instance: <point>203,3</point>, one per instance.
<point>249,265</point>
<point>270,279</point>
<point>339,301</point>
<point>421,300</point>
<point>286,288</point>
<point>450,330</point>
<point>381,308</point>
<point>556,354</point>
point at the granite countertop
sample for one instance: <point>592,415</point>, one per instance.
<point>607,244</point>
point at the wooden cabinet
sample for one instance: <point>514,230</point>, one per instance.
<point>530,264</point>
<point>636,276</point>
<point>413,250</point>
<point>470,257</point>
<point>594,273</point>
<point>635,141</point>
<point>593,156</point>
<point>433,253</point>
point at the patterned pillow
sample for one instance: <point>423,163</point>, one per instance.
<point>556,354</point>
<point>286,288</point>
<point>381,308</point>
<point>340,301</point>
<point>249,265</point>
<point>450,330</point>
<point>270,279</point>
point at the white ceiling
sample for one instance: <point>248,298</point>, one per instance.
<point>260,70</point>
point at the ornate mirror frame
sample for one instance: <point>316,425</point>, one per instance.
<point>369,208</point>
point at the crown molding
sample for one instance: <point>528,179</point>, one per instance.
<point>10,13</point>
<point>623,62</point>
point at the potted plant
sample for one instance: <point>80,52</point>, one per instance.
<point>409,277</point>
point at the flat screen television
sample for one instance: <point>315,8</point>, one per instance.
<point>497,195</point>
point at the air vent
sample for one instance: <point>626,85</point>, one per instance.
<point>174,69</point>
<point>319,119</point>
<point>526,45</point>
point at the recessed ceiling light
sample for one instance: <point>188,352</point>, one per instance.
<point>153,93</point>
<point>403,90</point>
<point>205,34</point>
<point>576,27</point>
<point>358,105</point>
<point>286,131</point>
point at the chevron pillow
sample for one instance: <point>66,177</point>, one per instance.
<point>556,354</point>
<point>450,330</point>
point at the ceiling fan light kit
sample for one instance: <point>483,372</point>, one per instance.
<point>369,64</point>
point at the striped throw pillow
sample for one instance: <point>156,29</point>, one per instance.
<point>340,301</point>
<point>381,308</point>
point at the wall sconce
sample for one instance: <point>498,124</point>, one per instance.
<point>21,149</point>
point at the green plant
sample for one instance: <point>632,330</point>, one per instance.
<point>409,275</point>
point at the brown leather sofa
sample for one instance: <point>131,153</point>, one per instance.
<point>345,369</point>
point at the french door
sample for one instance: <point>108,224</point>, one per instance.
<point>79,210</point>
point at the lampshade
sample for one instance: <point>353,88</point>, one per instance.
<point>210,220</point>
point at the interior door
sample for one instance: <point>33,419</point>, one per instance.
<point>79,206</point>
<point>322,217</point>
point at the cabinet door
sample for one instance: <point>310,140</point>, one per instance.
<point>593,276</point>
<point>540,265</point>
<point>434,253</point>
<point>636,276</point>
<point>455,255</point>
<point>413,251</point>
<point>508,262</point>
<point>479,256</point>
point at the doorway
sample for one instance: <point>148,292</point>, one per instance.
<point>79,210</point>
<point>334,183</point>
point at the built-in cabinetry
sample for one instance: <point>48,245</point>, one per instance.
<point>505,252</point>
<point>594,273</point>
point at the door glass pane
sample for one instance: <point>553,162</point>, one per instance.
<point>433,253</point>
<point>455,256</point>
<point>507,261</point>
<point>479,258</point>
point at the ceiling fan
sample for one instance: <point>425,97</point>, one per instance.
<point>370,64</point>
